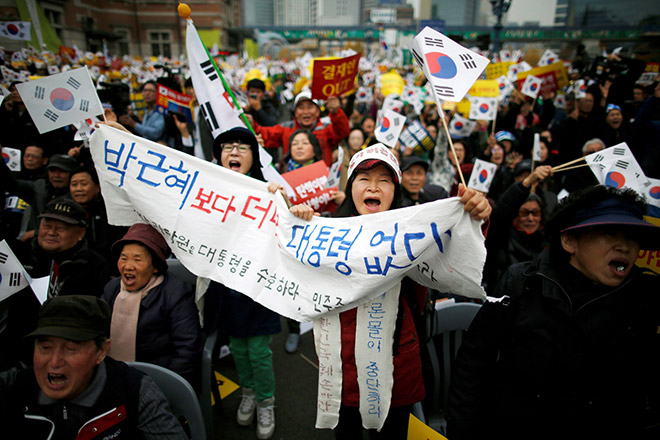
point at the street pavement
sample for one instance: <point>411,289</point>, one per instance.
<point>295,394</point>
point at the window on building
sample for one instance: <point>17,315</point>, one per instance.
<point>55,14</point>
<point>161,44</point>
<point>123,47</point>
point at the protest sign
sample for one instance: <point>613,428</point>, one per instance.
<point>59,100</point>
<point>309,184</point>
<point>391,83</point>
<point>495,70</point>
<point>488,88</point>
<point>169,100</point>
<point>227,227</point>
<point>334,77</point>
<point>554,76</point>
<point>415,136</point>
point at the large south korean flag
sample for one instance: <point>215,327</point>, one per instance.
<point>450,68</point>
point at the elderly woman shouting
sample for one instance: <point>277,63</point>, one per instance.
<point>154,316</point>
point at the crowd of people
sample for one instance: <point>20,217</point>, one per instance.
<point>570,348</point>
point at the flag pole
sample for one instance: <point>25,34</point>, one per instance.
<point>184,12</point>
<point>451,145</point>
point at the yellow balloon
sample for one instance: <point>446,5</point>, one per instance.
<point>184,10</point>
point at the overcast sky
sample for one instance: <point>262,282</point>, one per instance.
<point>542,11</point>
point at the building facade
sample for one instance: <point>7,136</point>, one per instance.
<point>135,27</point>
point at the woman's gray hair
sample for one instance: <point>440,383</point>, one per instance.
<point>592,141</point>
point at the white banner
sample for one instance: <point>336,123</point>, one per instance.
<point>228,227</point>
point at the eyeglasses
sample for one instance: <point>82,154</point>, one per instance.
<point>527,212</point>
<point>149,90</point>
<point>242,148</point>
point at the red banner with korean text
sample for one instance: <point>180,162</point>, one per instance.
<point>334,77</point>
<point>309,184</point>
<point>554,76</point>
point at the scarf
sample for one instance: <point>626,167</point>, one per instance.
<point>293,165</point>
<point>123,327</point>
<point>374,339</point>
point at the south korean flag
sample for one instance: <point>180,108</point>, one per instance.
<point>483,109</point>
<point>532,86</point>
<point>215,103</point>
<point>504,86</point>
<point>364,94</point>
<point>389,128</point>
<point>13,277</point>
<point>12,158</point>
<point>459,127</point>
<point>59,100</point>
<point>16,30</point>
<point>450,68</point>
<point>580,89</point>
<point>482,175</point>
<point>548,58</point>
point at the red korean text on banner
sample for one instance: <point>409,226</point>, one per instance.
<point>309,184</point>
<point>334,77</point>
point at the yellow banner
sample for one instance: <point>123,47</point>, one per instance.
<point>391,82</point>
<point>558,70</point>
<point>495,70</point>
<point>486,88</point>
<point>463,108</point>
<point>419,431</point>
<point>650,259</point>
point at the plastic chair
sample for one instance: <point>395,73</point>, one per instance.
<point>446,336</point>
<point>209,382</point>
<point>176,268</point>
<point>180,395</point>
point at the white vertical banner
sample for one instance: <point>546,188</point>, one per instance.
<point>536,149</point>
<point>34,16</point>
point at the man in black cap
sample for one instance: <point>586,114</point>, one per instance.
<point>259,106</point>
<point>571,350</point>
<point>74,390</point>
<point>414,190</point>
<point>61,251</point>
